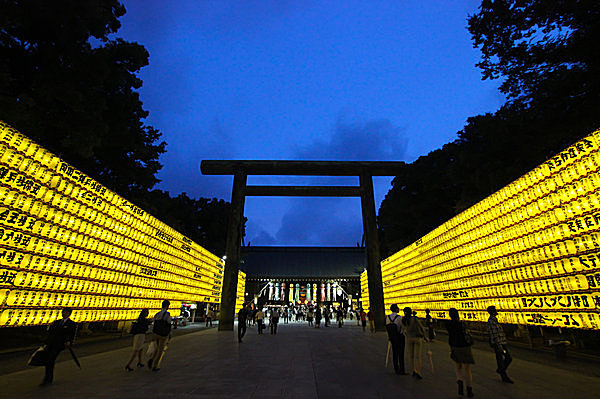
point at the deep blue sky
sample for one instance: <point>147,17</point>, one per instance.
<point>330,80</point>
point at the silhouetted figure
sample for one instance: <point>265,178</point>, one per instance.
<point>318,318</point>
<point>429,325</point>
<point>162,334</point>
<point>340,317</point>
<point>326,316</point>
<point>61,334</point>
<point>242,318</point>
<point>138,330</point>
<point>260,319</point>
<point>415,333</point>
<point>393,325</point>
<point>274,321</point>
<point>460,351</point>
<point>499,344</point>
<point>371,318</point>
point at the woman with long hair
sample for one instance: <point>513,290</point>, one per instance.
<point>460,351</point>
<point>138,330</point>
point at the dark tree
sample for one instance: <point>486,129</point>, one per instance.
<point>66,84</point>
<point>546,53</point>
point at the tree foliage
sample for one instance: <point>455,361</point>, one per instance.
<point>68,83</point>
<point>77,99</point>
<point>546,53</point>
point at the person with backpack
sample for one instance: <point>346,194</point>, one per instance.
<point>415,334</point>
<point>162,333</point>
<point>138,330</point>
<point>460,351</point>
<point>393,325</point>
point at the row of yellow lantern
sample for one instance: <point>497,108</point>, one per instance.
<point>565,319</point>
<point>241,290</point>
<point>549,234</point>
<point>92,245</point>
<point>572,303</point>
<point>13,317</point>
<point>40,246</point>
<point>493,272</point>
<point>578,154</point>
<point>47,282</point>
<point>28,154</point>
<point>64,204</point>
<point>560,285</point>
<point>57,202</point>
<point>588,162</point>
<point>560,225</point>
<point>547,228</point>
<point>46,299</point>
<point>52,230</point>
<point>364,291</point>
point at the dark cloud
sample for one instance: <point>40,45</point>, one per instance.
<point>336,221</point>
<point>373,140</point>
<point>321,221</point>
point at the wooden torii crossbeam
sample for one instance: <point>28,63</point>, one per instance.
<point>241,169</point>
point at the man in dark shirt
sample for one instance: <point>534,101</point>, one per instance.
<point>242,315</point>
<point>61,336</point>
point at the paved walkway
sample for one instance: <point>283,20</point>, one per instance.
<point>298,362</point>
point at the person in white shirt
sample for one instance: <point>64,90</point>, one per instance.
<point>260,318</point>
<point>274,321</point>
<point>393,325</point>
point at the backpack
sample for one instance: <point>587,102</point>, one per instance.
<point>392,329</point>
<point>161,326</point>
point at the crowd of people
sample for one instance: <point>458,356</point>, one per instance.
<point>406,335</point>
<point>315,316</point>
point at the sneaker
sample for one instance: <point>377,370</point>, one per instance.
<point>417,375</point>
<point>150,364</point>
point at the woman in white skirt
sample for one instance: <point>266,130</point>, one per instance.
<point>138,329</point>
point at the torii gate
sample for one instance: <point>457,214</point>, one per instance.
<point>241,169</point>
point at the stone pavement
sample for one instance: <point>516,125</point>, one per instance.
<point>298,362</point>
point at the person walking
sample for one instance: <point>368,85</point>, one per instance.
<point>340,317</point>
<point>210,315</point>
<point>429,321</point>
<point>318,317</point>
<point>460,342</point>
<point>242,318</point>
<point>162,334</point>
<point>499,344</point>
<point>260,319</point>
<point>309,317</point>
<point>61,334</point>
<point>393,325</point>
<point>274,320</point>
<point>414,332</point>
<point>363,319</point>
<point>138,330</point>
<point>326,316</point>
<point>371,318</point>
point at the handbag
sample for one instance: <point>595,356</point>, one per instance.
<point>39,357</point>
